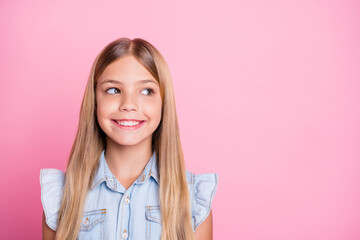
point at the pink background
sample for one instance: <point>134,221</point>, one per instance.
<point>267,95</point>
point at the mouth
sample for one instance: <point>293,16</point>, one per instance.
<point>128,124</point>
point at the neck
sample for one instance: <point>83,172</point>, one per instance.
<point>127,162</point>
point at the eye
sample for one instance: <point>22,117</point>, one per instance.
<point>114,90</point>
<point>149,90</point>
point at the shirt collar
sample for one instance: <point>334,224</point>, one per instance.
<point>104,173</point>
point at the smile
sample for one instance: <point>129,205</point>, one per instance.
<point>128,125</point>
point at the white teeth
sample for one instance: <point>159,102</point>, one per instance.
<point>128,123</point>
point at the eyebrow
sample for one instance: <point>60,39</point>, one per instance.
<point>119,82</point>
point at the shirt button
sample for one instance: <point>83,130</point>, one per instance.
<point>143,177</point>
<point>127,201</point>
<point>124,234</point>
<point>86,222</point>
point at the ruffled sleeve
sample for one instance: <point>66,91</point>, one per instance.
<point>202,191</point>
<point>51,183</point>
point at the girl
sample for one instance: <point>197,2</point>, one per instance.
<point>126,177</point>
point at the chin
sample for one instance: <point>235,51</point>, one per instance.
<point>131,141</point>
<point>127,143</point>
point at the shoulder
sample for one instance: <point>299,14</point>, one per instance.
<point>202,188</point>
<point>51,184</point>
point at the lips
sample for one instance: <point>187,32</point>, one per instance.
<point>135,120</point>
<point>128,127</point>
<point>128,121</point>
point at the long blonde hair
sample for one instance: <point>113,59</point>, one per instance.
<point>91,140</point>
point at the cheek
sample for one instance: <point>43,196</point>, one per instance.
<point>153,110</point>
<point>105,107</point>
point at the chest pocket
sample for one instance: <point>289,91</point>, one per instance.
<point>153,222</point>
<point>93,225</point>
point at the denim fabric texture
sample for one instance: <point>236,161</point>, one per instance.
<point>113,212</point>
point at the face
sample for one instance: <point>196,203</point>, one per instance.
<point>128,102</point>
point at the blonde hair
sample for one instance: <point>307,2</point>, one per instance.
<point>90,141</point>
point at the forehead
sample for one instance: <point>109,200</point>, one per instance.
<point>125,69</point>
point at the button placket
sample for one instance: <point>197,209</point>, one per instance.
<point>125,213</point>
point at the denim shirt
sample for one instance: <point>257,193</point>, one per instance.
<point>113,212</point>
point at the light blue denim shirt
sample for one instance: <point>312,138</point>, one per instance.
<point>113,212</point>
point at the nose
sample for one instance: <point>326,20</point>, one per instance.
<point>128,103</point>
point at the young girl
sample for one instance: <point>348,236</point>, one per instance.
<point>126,177</point>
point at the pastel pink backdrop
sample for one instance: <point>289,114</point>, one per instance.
<point>267,96</point>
